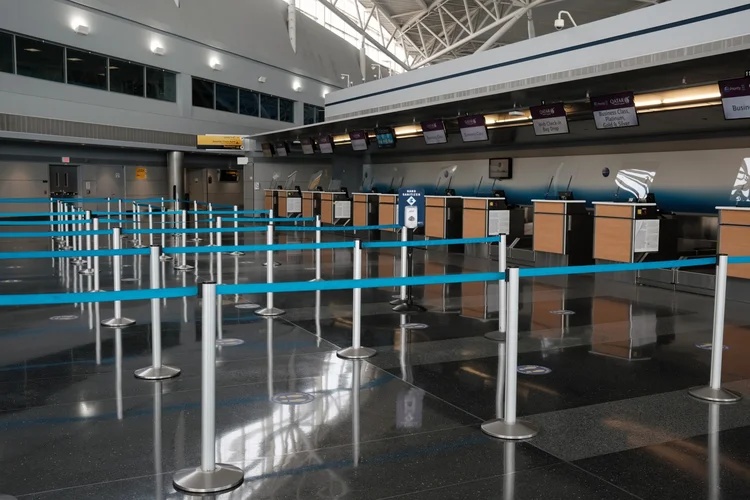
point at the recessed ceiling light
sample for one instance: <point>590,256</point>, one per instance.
<point>114,67</point>
<point>75,59</point>
<point>32,49</point>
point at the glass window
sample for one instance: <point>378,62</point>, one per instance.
<point>86,69</point>
<point>308,112</point>
<point>161,85</point>
<point>286,110</point>
<point>320,114</point>
<point>203,93</point>
<point>226,98</point>
<point>6,52</point>
<point>269,107</point>
<point>39,59</point>
<point>126,77</point>
<point>249,104</point>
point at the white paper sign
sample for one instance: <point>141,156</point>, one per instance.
<point>342,210</point>
<point>499,222</point>
<point>293,205</point>
<point>736,107</point>
<point>614,111</point>
<point>646,238</point>
<point>551,126</point>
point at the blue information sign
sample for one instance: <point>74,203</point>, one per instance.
<point>411,207</point>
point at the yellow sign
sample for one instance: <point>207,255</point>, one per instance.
<point>140,173</point>
<point>220,142</point>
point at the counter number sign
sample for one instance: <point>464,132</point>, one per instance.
<point>411,207</point>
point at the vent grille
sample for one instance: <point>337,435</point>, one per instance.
<point>48,126</point>
<point>657,59</point>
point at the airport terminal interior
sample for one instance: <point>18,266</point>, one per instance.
<point>374,249</point>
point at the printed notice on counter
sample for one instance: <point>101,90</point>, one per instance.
<point>549,119</point>
<point>646,236</point>
<point>614,111</point>
<point>498,223</point>
<point>293,205</point>
<point>342,209</point>
<point>735,98</point>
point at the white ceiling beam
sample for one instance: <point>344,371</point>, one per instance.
<point>489,13</point>
<point>518,14</point>
<point>458,23</point>
<point>468,16</point>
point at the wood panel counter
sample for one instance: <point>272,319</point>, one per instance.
<point>623,230</point>
<point>443,217</point>
<point>563,227</point>
<point>734,238</point>
<point>365,211</point>
<point>387,210</point>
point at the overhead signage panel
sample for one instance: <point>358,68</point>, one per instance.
<point>325,144</point>
<point>386,137</point>
<point>434,132</point>
<point>735,98</point>
<point>473,128</point>
<point>282,149</point>
<point>614,111</point>
<point>268,149</point>
<point>359,140</point>
<point>549,119</point>
<point>221,142</point>
<point>308,145</point>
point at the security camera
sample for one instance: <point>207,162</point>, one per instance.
<point>559,24</point>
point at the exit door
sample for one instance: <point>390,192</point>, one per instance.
<point>63,181</point>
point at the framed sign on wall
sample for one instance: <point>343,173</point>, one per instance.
<point>501,168</point>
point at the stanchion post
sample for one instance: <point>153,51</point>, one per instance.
<point>118,321</point>
<point>157,371</point>
<point>269,310</point>
<point>210,477</point>
<point>408,305</point>
<point>89,270</point>
<point>714,392</point>
<point>151,225</point>
<point>356,351</point>
<point>196,236</point>
<point>404,268</point>
<point>502,312</point>
<point>318,264</point>
<point>183,266</point>
<point>210,225</point>
<point>510,427</point>
<point>95,225</point>
<point>137,241</point>
<point>236,233</point>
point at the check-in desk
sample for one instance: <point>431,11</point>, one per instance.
<point>443,219</point>
<point>311,203</point>
<point>485,217</point>
<point>388,214</point>
<point>625,231</point>
<point>336,208</point>
<point>271,200</point>
<point>734,238</point>
<point>563,233</point>
<point>365,212</point>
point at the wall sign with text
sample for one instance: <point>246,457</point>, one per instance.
<point>473,128</point>
<point>735,98</point>
<point>549,119</point>
<point>614,111</point>
<point>434,132</point>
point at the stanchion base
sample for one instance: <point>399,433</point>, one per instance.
<point>185,267</point>
<point>224,477</point>
<point>706,393</point>
<point>270,312</point>
<point>165,257</point>
<point>78,262</point>
<point>409,308</point>
<point>275,264</point>
<point>118,322</point>
<point>194,240</point>
<point>237,254</point>
<point>497,336</point>
<point>356,353</point>
<point>501,429</point>
<point>161,373</point>
<point>140,245</point>
<point>86,272</point>
<point>397,302</point>
<point>314,280</point>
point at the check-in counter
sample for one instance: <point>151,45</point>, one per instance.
<point>563,232</point>
<point>443,219</point>
<point>388,211</point>
<point>366,209</point>
<point>484,217</point>
<point>336,208</point>
<point>734,238</point>
<point>310,203</point>
<point>624,231</point>
<point>270,201</point>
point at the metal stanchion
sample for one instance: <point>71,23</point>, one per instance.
<point>356,351</point>
<point>164,240</point>
<point>183,265</point>
<point>502,313</point>
<point>404,268</point>
<point>510,427</point>
<point>151,225</point>
<point>162,236</point>
<point>318,264</point>
<point>118,321</point>
<point>89,269</point>
<point>210,477</point>
<point>95,225</point>
<point>407,305</point>
<point>714,392</point>
<point>137,243</point>
<point>196,237</point>
<point>236,233</point>
<point>267,263</point>
<point>269,310</point>
<point>77,240</point>
<point>156,371</point>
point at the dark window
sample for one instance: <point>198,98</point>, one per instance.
<point>126,77</point>
<point>226,98</point>
<point>249,103</point>
<point>86,69</point>
<point>269,107</point>
<point>286,110</point>
<point>308,112</point>
<point>203,93</point>
<point>161,85</point>
<point>320,114</point>
<point>6,52</point>
<point>39,59</point>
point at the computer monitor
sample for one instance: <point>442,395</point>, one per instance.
<point>565,195</point>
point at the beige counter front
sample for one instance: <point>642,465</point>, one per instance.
<point>387,210</point>
<point>614,229</point>
<point>734,237</point>
<point>563,227</point>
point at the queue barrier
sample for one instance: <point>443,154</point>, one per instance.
<point>38,214</point>
<point>44,222</point>
<point>337,228</point>
<point>55,234</point>
<point>267,219</point>
<point>39,299</point>
<point>429,243</point>
<point>226,212</point>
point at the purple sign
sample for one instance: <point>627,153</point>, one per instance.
<point>360,140</point>
<point>434,132</point>
<point>282,149</point>
<point>325,144</point>
<point>549,119</point>
<point>308,145</point>
<point>473,128</point>
<point>614,111</point>
<point>735,98</point>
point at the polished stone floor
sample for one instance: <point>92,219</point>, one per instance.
<point>616,420</point>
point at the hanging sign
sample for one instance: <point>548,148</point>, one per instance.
<point>434,132</point>
<point>614,111</point>
<point>549,119</point>
<point>735,98</point>
<point>308,145</point>
<point>360,140</point>
<point>325,144</point>
<point>473,128</point>
<point>212,142</point>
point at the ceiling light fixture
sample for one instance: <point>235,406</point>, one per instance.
<point>215,64</point>
<point>75,59</point>
<point>114,67</point>
<point>157,49</point>
<point>32,49</point>
<point>81,28</point>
